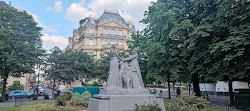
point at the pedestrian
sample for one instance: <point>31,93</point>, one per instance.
<point>58,92</point>
<point>178,91</point>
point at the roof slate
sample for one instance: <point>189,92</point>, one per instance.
<point>3,4</point>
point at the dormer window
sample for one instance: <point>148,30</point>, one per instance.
<point>92,22</point>
<point>91,32</point>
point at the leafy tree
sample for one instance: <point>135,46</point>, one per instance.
<point>102,67</point>
<point>69,65</point>
<point>20,44</point>
<point>51,71</point>
<point>206,38</point>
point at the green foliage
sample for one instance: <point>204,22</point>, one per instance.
<point>20,43</point>
<point>186,103</point>
<point>187,38</point>
<point>96,83</point>
<point>82,21</point>
<point>76,99</point>
<point>16,86</point>
<point>85,98</point>
<point>61,101</point>
<point>102,67</point>
<point>69,65</point>
<point>67,96</point>
<point>148,107</point>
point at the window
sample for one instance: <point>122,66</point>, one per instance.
<point>112,42</point>
<point>120,33</point>
<point>92,22</point>
<point>91,42</point>
<point>105,32</point>
<point>120,43</point>
<point>105,42</point>
<point>112,33</point>
<point>91,32</point>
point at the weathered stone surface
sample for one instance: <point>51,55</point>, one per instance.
<point>122,102</point>
<point>125,87</point>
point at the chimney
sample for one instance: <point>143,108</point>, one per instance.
<point>10,4</point>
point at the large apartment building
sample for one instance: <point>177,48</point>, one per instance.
<point>96,35</point>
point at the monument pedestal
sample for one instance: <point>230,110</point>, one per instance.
<point>126,102</point>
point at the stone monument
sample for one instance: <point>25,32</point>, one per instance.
<point>124,88</point>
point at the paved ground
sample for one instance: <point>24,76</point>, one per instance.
<point>225,107</point>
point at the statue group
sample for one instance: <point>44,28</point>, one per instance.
<point>124,73</point>
<point>124,87</point>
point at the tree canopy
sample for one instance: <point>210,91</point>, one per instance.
<point>187,38</point>
<point>20,43</point>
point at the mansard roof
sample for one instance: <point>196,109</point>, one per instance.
<point>2,3</point>
<point>105,17</point>
<point>108,16</point>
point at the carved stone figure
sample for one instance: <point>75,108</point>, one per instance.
<point>114,79</point>
<point>133,70</point>
<point>124,72</point>
<point>124,86</point>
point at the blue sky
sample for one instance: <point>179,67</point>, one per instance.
<point>58,18</point>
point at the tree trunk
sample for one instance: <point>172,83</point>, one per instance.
<point>173,86</point>
<point>231,93</point>
<point>169,93</point>
<point>189,88</point>
<point>53,89</point>
<point>196,85</point>
<point>4,89</point>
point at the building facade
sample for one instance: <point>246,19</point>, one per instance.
<point>96,35</point>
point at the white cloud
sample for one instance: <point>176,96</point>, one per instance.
<point>50,42</point>
<point>129,9</point>
<point>76,12</point>
<point>40,24</point>
<point>58,6</point>
<point>48,8</point>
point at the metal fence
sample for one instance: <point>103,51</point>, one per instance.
<point>20,101</point>
<point>222,105</point>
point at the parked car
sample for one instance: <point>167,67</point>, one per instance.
<point>66,91</point>
<point>41,91</point>
<point>20,94</point>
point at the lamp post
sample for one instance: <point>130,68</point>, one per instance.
<point>154,86</point>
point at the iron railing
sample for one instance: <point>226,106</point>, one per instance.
<point>102,35</point>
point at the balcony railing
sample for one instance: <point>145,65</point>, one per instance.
<point>102,35</point>
<point>112,35</point>
<point>87,35</point>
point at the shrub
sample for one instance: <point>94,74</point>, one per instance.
<point>85,98</point>
<point>186,103</point>
<point>69,95</point>
<point>149,107</point>
<point>61,101</point>
<point>16,86</point>
<point>76,99</point>
<point>66,96</point>
<point>95,83</point>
